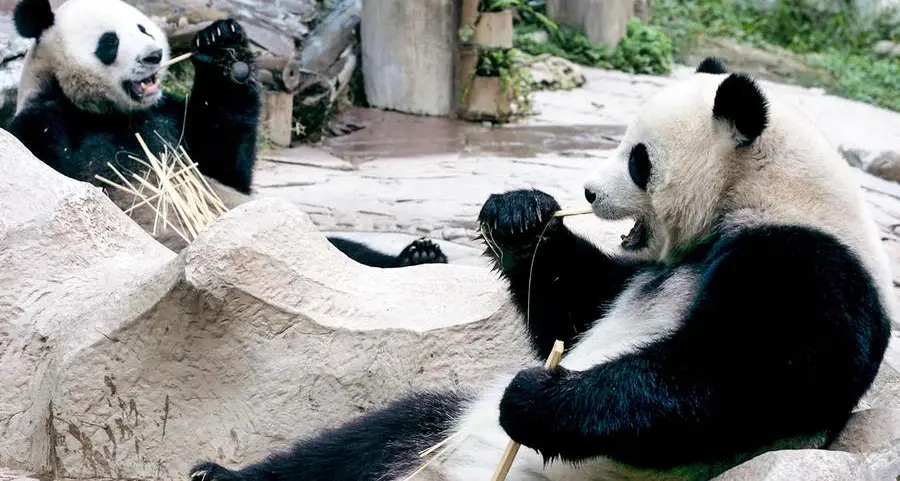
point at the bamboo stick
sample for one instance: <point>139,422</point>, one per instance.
<point>513,447</point>
<point>568,212</point>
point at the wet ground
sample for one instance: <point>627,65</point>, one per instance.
<point>403,176</point>
<point>393,134</point>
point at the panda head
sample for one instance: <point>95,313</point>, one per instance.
<point>680,159</point>
<point>105,55</point>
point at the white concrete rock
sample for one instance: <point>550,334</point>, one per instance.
<point>794,465</point>
<point>868,431</point>
<point>119,359</point>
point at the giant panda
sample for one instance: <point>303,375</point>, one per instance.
<point>92,80</point>
<point>749,309</point>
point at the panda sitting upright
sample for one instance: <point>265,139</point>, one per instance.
<point>752,313</point>
<point>92,80</point>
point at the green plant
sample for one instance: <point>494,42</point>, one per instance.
<point>862,78</point>
<point>514,79</point>
<point>466,32</point>
<point>833,36</point>
<point>643,50</point>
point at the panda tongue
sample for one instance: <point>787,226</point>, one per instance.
<point>636,236</point>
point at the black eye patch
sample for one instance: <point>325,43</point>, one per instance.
<point>144,31</point>
<point>107,48</point>
<point>639,166</point>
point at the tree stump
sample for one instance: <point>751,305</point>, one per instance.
<point>409,53</point>
<point>603,21</point>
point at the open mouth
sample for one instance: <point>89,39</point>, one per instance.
<point>142,89</point>
<point>638,237</point>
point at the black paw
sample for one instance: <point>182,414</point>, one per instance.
<point>514,220</point>
<point>222,34</point>
<point>528,410</point>
<point>212,472</point>
<point>224,43</point>
<point>421,251</point>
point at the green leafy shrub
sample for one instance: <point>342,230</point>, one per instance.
<point>831,35</point>
<point>644,49</point>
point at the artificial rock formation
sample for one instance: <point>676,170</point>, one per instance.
<point>119,359</point>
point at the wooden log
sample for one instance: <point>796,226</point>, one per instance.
<point>602,21</point>
<point>341,72</point>
<point>180,38</point>
<point>333,35</point>
<point>278,43</point>
<point>277,113</point>
<point>279,73</point>
<point>409,54</point>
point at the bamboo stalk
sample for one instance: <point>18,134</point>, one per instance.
<point>176,60</point>
<point>512,448</point>
<point>176,185</point>
<point>568,212</point>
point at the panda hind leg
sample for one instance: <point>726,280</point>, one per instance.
<point>382,444</point>
<point>421,251</point>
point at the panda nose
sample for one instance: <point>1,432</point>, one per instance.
<point>590,196</point>
<point>153,58</point>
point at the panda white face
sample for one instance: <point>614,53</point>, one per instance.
<point>675,162</point>
<point>105,54</point>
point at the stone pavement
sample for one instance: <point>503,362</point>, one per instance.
<point>430,176</point>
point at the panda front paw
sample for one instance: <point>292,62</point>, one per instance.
<point>530,411</point>
<point>225,44</point>
<point>514,220</point>
<point>213,472</point>
<point>421,251</point>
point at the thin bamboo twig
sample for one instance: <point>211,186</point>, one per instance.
<point>568,212</point>
<point>174,183</point>
<point>509,455</point>
<point>176,60</point>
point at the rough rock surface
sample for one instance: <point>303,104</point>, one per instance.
<point>869,430</point>
<point>886,165</point>
<point>119,359</point>
<point>821,465</point>
<point>548,72</point>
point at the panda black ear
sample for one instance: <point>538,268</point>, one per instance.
<point>32,17</point>
<point>711,65</point>
<point>741,104</point>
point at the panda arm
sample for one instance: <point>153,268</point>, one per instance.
<point>41,127</point>
<point>786,335</point>
<point>559,282</point>
<point>224,105</point>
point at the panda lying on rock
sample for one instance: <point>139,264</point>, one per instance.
<point>92,80</point>
<point>750,311</point>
